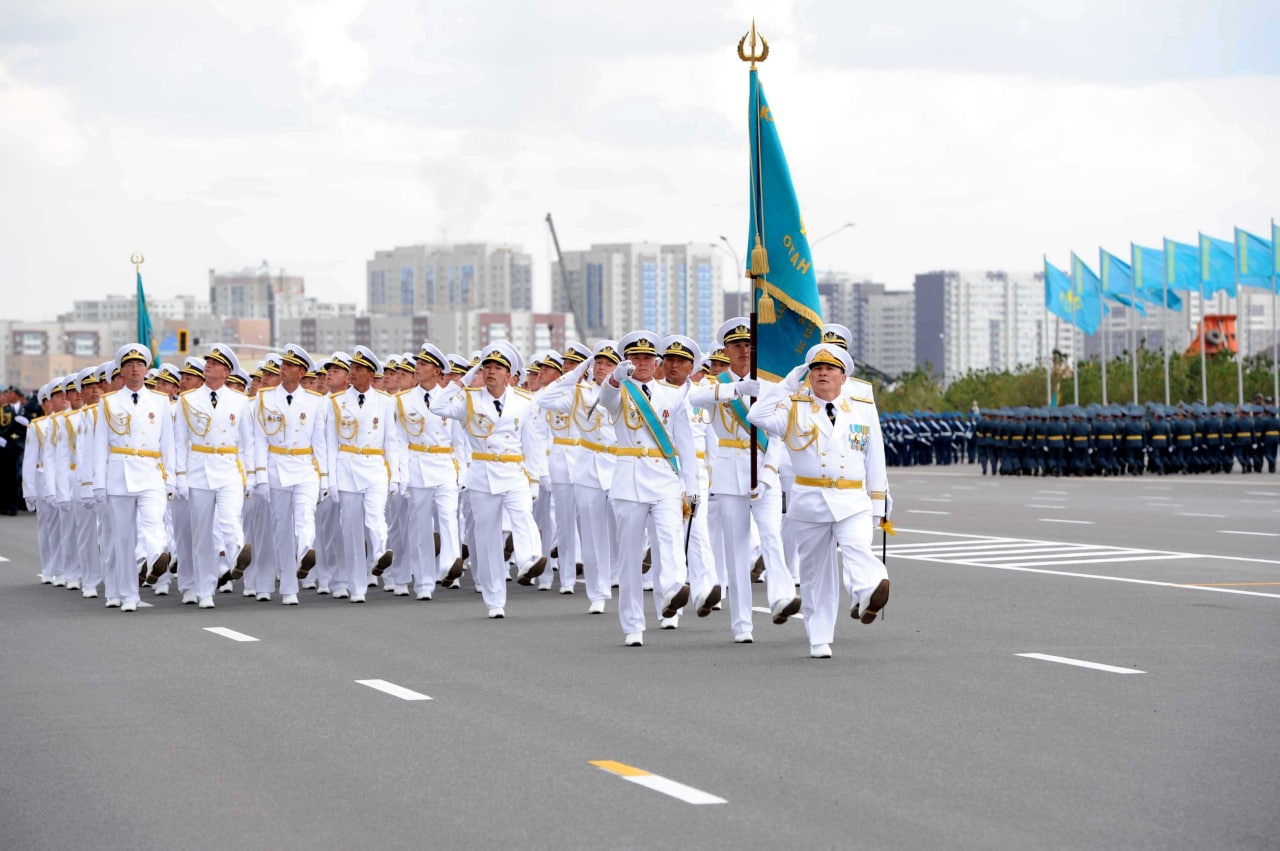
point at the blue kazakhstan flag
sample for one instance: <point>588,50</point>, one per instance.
<point>1117,281</point>
<point>1217,266</point>
<point>1089,290</point>
<point>1148,277</point>
<point>786,285</point>
<point>146,335</point>
<point>1255,261</point>
<point>1181,266</point>
<point>1059,296</point>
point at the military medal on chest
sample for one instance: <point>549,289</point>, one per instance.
<point>859,435</point>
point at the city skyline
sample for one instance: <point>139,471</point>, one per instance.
<point>976,137</point>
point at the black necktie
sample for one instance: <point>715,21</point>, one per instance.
<point>360,399</point>
<point>288,399</point>
<point>426,397</point>
<point>213,398</point>
<point>831,412</point>
<point>497,403</point>
<point>647,394</point>
<point>135,398</point>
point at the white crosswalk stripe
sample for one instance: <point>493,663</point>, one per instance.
<point>993,551</point>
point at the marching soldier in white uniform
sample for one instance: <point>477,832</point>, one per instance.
<point>365,469</point>
<point>655,478</point>
<point>88,538</point>
<point>132,456</point>
<point>328,514</point>
<point>837,450</point>
<point>557,488</point>
<point>737,503</point>
<point>289,450</point>
<point>431,463</point>
<point>213,438</point>
<point>38,480</point>
<point>507,461</point>
<point>592,461</point>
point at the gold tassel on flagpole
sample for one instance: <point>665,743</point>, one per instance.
<point>759,259</point>
<point>765,313</point>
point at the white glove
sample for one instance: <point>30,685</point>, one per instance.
<point>262,491</point>
<point>31,505</point>
<point>534,490</point>
<point>796,377</point>
<point>394,489</point>
<point>87,501</point>
<point>888,505</point>
<point>21,420</point>
<point>580,370</point>
<point>471,375</point>
<point>3,443</point>
<point>248,491</point>
<point>100,495</point>
<point>749,387</point>
<point>168,489</point>
<point>182,490</point>
<point>760,489</point>
<point>331,493</point>
<point>623,371</point>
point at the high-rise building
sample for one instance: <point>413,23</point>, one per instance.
<point>619,287</point>
<point>881,321</point>
<point>261,293</point>
<point>123,308</point>
<point>980,320</point>
<point>415,279</point>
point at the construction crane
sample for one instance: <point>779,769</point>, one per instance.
<point>581,327</point>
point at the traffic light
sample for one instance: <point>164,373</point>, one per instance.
<point>184,341</point>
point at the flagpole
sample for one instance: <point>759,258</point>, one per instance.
<point>1241,313</point>
<point>1075,352</point>
<point>1275,309</point>
<point>1165,322</point>
<point>1133,332</point>
<point>1204,375</point>
<point>758,254</point>
<point>1048,356</point>
<point>1105,333</point>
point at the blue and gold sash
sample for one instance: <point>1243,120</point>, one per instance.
<point>655,427</point>
<point>740,414</point>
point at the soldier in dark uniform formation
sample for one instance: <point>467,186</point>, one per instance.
<point>1104,443</point>
<point>1078,432</point>
<point>1269,440</point>
<point>1056,440</point>
<point>1184,433</point>
<point>1241,428</point>
<point>1158,440</point>
<point>985,442</point>
<point>13,432</point>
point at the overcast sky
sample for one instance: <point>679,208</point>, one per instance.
<point>976,134</point>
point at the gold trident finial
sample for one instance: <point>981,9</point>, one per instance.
<point>136,259</point>
<point>753,57</point>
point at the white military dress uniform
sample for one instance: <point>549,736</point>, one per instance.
<point>213,435</point>
<point>841,484</point>
<point>591,463</point>
<point>507,455</point>
<point>133,455</point>
<point>363,466</point>
<point>431,462</point>
<point>562,443</point>
<point>648,491</point>
<point>290,449</point>
<point>730,461</point>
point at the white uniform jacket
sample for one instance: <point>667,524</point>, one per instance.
<point>133,444</point>
<point>85,435</point>
<point>432,444</point>
<point>591,460</point>
<point>290,446</point>
<point>37,467</point>
<point>642,473</point>
<point>363,450</point>
<point>507,450</point>
<point>729,443</point>
<point>839,468</point>
<point>214,445</point>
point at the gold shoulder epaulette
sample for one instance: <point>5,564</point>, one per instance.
<point>525,393</point>
<point>314,393</point>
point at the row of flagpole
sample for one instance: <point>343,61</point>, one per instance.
<point>1210,267</point>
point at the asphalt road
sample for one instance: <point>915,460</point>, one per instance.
<point>927,730</point>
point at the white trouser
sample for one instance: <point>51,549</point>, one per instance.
<point>666,541</point>
<point>181,509</point>
<point>399,508</point>
<point>468,531</point>
<point>819,577</point>
<point>699,553</point>
<point>363,513</point>
<point>62,537</point>
<point>328,541</point>
<point>134,518</point>
<point>45,536</point>
<point>293,532</point>
<point>432,511</point>
<point>565,510</point>
<point>93,547</point>
<point>84,542</point>
<point>596,528</point>
<point>487,565</point>
<point>106,534</point>
<point>735,516</point>
<point>713,522</point>
<point>261,573</point>
<point>216,533</point>
<point>544,517</point>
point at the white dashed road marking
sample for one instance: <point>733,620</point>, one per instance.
<point>393,689</point>
<point>1080,663</point>
<point>639,776</point>
<point>229,633</point>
